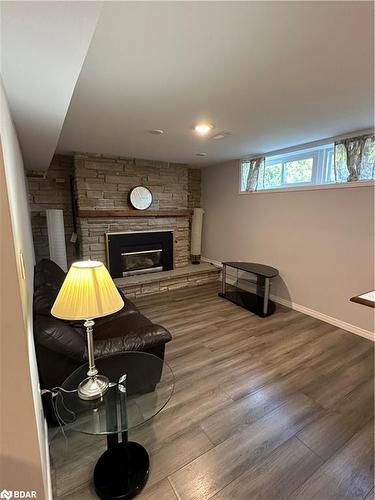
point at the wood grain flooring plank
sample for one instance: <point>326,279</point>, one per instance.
<point>243,412</point>
<point>328,433</point>
<point>85,492</point>
<point>370,495</point>
<point>176,453</point>
<point>275,477</point>
<point>193,362</point>
<point>209,378</point>
<point>349,474</point>
<point>359,403</point>
<point>340,383</point>
<point>251,381</point>
<point>74,459</point>
<point>292,336</point>
<point>341,356</point>
<point>298,358</point>
<point>159,491</point>
<point>214,470</point>
<point>177,420</point>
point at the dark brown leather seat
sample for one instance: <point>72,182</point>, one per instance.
<point>61,345</point>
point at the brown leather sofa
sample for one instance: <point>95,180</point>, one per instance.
<point>61,345</point>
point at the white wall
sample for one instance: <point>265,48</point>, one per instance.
<point>321,241</point>
<point>43,47</point>
<point>25,462</point>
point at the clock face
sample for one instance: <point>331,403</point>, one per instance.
<point>140,197</point>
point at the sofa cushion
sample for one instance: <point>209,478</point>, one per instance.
<point>44,298</point>
<point>142,338</point>
<point>49,273</point>
<point>119,324</point>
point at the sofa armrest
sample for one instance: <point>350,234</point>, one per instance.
<point>143,338</point>
<point>58,336</point>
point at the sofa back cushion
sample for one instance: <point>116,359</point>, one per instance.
<point>48,273</point>
<point>44,298</point>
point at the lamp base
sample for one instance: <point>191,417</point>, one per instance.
<point>195,259</point>
<point>93,387</point>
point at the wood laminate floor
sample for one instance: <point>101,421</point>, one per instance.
<point>275,408</point>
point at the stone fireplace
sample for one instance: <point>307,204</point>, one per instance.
<point>133,253</point>
<point>103,215</point>
<point>102,188</point>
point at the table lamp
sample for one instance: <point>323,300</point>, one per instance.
<point>88,292</point>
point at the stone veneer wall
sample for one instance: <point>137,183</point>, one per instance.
<point>194,187</point>
<point>51,189</point>
<point>105,183</point>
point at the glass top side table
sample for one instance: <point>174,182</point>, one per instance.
<point>140,386</point>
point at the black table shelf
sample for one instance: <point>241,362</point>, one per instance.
<point>257,302</point>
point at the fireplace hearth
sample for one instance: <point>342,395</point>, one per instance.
<point>132,253</point>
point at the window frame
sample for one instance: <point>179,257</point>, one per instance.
<point>288,158</point>
<point>323,161</point>
<point>315,187</point>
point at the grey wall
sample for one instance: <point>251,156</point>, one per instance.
<point>322,241</point>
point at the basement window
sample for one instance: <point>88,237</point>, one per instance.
<point>303,168</point>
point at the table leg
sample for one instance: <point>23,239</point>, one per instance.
<point>266,295</point>
<point>223,278</point>
<point>122,471</point>
<point>112,440</point>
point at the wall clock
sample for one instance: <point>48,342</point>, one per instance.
<point>140,197</point>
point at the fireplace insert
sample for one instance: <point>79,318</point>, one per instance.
<point>139,252</point>
<point>144,261</point>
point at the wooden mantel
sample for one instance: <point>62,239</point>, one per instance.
<point>134,213</point>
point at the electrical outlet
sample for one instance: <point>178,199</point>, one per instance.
<point>22,266</point>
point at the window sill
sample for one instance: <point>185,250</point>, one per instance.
<point>345,185</point>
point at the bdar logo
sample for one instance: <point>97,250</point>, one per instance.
<point>17,494</point>
<point>6,494</point>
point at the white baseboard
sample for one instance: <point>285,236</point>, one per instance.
<point>311,312</point>
<point>324,317</point>
<point>211,261</point>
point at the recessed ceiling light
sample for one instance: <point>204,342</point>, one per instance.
<point>221,135</point>
<point>156,131</point>
<point>203,128</point>
<point>201,154</point>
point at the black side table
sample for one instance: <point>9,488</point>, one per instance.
<point>240,289</point>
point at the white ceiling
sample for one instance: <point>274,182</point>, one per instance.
<point>43,46</point>
<point>275,74</point>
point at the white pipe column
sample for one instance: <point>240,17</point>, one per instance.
<point>196,235</point>
<point>56,237</point>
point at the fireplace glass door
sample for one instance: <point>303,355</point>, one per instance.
<point>144,261</point>
<point>139,252</point>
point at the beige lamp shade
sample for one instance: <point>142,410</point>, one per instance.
<point>88,292</point>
